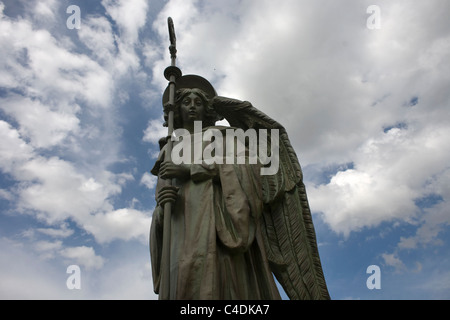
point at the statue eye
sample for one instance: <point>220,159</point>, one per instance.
<point>186,101</point>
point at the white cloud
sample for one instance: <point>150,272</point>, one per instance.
<point>6,195</point>
<point>61,192</point>
<point>62,188</point>
<point>435,218</point>
<point>47,245</point>
<point>390,173</point>
<point>46,9</point>
<point>24,276</point>
<point>154,131</point>
<point>124,224</point>
<point>47,249</point>
<point>97,35</point>
<point>149,180</point>
<point>129,15</point>
<point>13,150</point>
<point>83,256</point>
<point>64,102</point>
<point>44,127</point>
<point>36,62</point>
<point>62,232</point>
<point>130,280</point>
<point>392,260</point>
<point>54,190</point>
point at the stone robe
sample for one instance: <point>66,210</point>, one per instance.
<point>216,251</point>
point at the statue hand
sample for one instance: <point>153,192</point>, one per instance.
<point>167,194</point>
<point>169,170</point>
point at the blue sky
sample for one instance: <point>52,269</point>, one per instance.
<point>367,111</point>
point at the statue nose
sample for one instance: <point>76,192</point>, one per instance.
<point>192,109</point>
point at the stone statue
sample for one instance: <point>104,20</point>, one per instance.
<point>222,226</point>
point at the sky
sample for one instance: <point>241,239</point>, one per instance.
<point>360,86</point>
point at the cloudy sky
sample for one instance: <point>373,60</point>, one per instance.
<point>364,95</point>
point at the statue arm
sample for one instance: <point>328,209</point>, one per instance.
<point>202,172</point>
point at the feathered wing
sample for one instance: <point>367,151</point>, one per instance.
<point>287,228</point>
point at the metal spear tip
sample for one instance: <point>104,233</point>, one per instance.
<point>173,38</point>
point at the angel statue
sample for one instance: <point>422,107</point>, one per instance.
<point>231,227</point>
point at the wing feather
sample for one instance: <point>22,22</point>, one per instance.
<point>287,228</point>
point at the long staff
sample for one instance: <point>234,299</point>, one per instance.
<point>171,74</point>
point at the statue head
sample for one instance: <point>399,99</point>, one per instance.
<point>193,105</point>
<point>193,94</point>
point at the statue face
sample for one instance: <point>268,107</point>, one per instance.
<point>192,109</point>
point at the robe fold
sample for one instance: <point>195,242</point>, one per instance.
<point>216,251</point>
